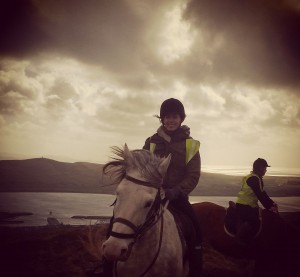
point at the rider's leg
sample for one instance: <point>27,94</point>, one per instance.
<point>194,246</point>
<point>250,224</point>
<point>245,233</point>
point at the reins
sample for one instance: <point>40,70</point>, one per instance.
<point>151,219</point>
<point>157,252</point>
<point>154,215</point>
<point>159,246</point>
<point>160,239</point>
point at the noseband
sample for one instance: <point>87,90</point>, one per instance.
<point>154,214</point>
<point>151,218</point>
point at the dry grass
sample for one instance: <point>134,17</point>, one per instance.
<point>71,251</point>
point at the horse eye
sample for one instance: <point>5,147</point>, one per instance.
<point>148,204</point>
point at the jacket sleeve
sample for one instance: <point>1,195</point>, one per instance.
<point>147,144</point>
<point>262,196</point>
<point>192,175</point>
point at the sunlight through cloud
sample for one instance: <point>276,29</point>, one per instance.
<point>176,37</point>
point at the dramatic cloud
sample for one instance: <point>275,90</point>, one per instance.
<point>255,41</point>
<point>77,77</point>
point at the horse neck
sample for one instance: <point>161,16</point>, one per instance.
<point>152,236</point>
<point>148,249</point>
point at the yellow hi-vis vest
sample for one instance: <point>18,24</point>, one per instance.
<point>246,196</point>
<point>192,147</point>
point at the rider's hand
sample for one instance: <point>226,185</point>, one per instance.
<point>172,193</point>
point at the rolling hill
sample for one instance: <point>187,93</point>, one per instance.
<point>46,175</point>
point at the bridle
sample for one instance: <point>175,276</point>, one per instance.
<point>154,215</point>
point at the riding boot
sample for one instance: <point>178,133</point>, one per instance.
<point>245,234</point>
<point>195,261</point>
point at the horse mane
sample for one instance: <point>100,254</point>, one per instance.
<point>145,162</point>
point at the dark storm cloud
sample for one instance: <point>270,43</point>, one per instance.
<point>259,40</point>
<point>19,29</point>
<point>104,32</point>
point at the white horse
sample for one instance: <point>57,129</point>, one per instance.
<point>143,240</point>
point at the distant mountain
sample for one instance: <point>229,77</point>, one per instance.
<point>46,175</point>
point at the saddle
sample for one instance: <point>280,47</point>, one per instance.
<point>234,226</point>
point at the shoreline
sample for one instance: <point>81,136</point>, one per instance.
<point>292,218</point>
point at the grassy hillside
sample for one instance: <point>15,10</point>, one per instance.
<point>76,251</point>
<point>45,175</point>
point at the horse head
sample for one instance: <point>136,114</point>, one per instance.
<point>138,199</point>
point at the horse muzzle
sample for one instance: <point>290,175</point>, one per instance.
<point>116,251</point>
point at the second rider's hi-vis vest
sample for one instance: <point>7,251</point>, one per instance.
<point>192,147</point>
<point>246,196</point>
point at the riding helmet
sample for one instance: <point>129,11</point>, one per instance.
<point>170,106</point>
<point>260,163</point>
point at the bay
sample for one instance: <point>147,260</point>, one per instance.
<point>65,205</point>
<point>244,170</point>
<point>62,206</point>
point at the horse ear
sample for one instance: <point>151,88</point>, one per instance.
<point>126,151</point>
<point>164,164</point>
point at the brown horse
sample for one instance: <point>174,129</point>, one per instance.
<point>275,250</point>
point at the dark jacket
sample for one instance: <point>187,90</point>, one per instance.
<point>262,196</point>
<point>180,177</point>
<point>251,214</point>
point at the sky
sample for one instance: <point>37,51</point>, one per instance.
<point>78,77</point>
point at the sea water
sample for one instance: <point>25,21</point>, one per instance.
<point>62,206</point>
<point>244,170</point>
<point>65,205</point>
